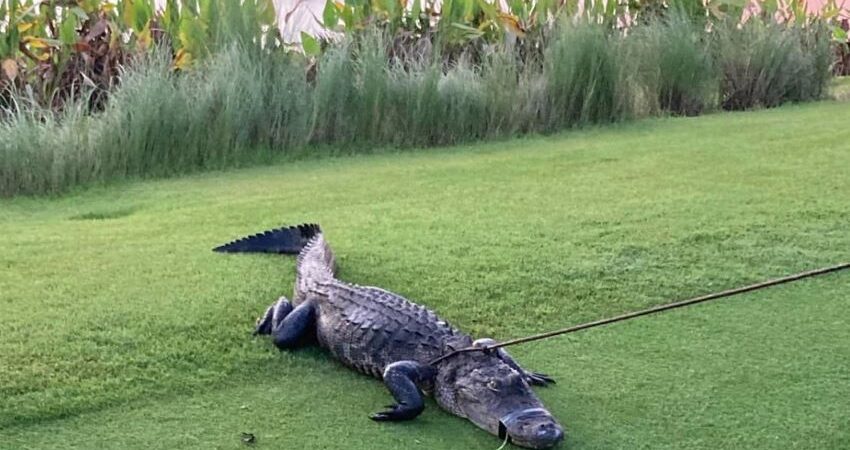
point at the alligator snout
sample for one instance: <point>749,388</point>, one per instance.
<point>549,434</point>
<point>542,436</point>
<point>532,428</point>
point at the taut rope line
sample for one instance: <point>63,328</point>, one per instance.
<point>653,310</point>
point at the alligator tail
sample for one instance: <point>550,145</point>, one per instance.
<point>286,240</point>
<point>315,262</point>
<point>315,258</point>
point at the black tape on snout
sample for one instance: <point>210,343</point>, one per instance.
<point>509,419</point>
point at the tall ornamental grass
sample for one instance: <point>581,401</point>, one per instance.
<point>670,68</point>
<point>243,106</point>
<point>766,64</point>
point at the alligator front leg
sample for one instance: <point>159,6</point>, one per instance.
<point>535,378</point>
<point>402,379</point>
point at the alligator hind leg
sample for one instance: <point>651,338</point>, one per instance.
<point>535,378</point>
<point>402,378</point>
<point>272,317</point>
<point>297,323</point>
<point>286,324</point>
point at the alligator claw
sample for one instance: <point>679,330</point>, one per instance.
<point>538,379</point>
<point>380,417</point>
<point>264,323</point>
<point>395,413</point>
<point>273,316</point>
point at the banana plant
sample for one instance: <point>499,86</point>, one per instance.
<point>457,22</point>
<point>61,47</point>
<point>196,28</point>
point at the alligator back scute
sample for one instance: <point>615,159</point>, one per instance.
<point>369,328</point>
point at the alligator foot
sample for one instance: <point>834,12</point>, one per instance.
<point>292,324</point>
<point>272,317</point>
<point>402,378</point>
<point>396,413</point>
<point>535,378</point>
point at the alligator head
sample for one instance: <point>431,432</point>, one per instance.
<point>497,398</point>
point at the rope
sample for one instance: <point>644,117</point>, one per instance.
<point>648,311</point>
<point>504,443</point>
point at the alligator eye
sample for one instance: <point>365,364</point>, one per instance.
<point>493,385</point>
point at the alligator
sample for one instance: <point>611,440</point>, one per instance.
<point>384,335</point>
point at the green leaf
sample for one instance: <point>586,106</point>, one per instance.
<point>542,7</point>
<point>467,32</point>
<point>266,12</point>
<point>4,47</point>
<point>610,9</point>
<point>170,18</point>
<point>330,18</point>
<point>448,14</point>
<point>310,44</point>
<point>232,23</point>
<point>68,30</point>
<point>250,20</point>
<point>13,39</point>
<point>839,34</point>
<point>392,8</point>
<point>144,12</point>
<point>416,9</point>
<point>80,13</point>
<point>491,12</point>
<point>89,6</point>
<point>170,15</point>
<point>191,6</point>
<point>211,17</point>
<point>192,35</point>
<point>798,7</point>
<point>128,13</point>
<point>738,5</point>
<point>347,15</point>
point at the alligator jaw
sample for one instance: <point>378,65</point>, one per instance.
<point>532,428</point>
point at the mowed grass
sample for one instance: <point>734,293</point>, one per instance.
<point>121,329</point>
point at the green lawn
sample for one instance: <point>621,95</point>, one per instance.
<point>121,329</point>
